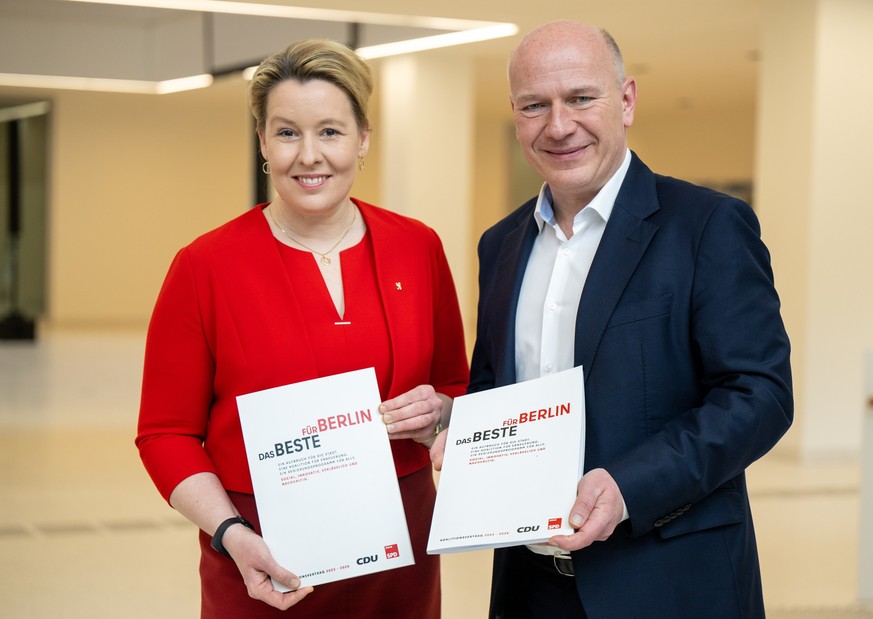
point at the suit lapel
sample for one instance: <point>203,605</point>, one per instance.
<point>508,276</point>
<point>623,245</point>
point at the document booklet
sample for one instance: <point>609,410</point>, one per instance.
<point>324,478</point>
<point>513,458</point>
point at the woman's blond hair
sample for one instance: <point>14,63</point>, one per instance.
<point>314,59</point>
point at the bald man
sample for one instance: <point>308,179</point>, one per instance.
<point>663,292</point>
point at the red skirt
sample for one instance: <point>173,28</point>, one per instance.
<point>412,591</point>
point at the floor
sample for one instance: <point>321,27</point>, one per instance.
<point>83,534</point>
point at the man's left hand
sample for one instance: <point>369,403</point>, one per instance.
<point>598,509</point>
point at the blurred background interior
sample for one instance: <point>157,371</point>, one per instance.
<point>110,161</point>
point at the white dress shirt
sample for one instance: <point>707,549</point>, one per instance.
<point>545,324</point>
<point>554,279</point>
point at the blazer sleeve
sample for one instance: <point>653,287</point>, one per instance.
<point>740,363</point>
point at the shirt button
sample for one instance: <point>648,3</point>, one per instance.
<point>565,252</point>
<point>548,368</point>
<point>553,306</point>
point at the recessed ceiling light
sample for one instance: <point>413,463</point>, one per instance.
<point>462,31</point>
<point>301,12</point>
<point>143,87</point>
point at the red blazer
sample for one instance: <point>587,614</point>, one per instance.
<point>227,322</point>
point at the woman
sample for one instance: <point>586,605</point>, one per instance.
<point>313,284</point>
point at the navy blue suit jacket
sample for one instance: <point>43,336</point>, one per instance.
<point>687,382</point>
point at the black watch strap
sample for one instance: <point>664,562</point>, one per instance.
<point>219,533</point>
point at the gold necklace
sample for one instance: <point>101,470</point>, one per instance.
<point>325,259</point>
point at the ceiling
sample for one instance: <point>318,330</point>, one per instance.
<point>684,53</point>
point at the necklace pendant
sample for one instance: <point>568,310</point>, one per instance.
<point>325,260</point>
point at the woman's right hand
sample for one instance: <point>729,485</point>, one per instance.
<point>257,566</point>
<point>202,500</point>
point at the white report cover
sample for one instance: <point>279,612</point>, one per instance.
<point>324,478</point>
<point>513,458</point>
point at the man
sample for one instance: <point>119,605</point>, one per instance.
<point>662,291</point>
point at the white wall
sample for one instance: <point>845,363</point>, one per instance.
<point>427,137</point>
<point>133,178</point>
<point>814,163</point>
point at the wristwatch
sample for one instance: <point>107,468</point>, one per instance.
<point>219,533</point>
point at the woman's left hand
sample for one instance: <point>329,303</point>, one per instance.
<point>414,414</point>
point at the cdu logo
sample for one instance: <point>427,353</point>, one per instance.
<point>528,529</point>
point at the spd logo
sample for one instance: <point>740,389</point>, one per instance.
<point>391,552</point>
<point>554,523</point>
